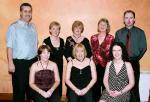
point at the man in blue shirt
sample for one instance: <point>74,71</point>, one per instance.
<point>21,52</point>
<point>135,41</point>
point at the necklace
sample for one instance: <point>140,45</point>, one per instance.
<point>81,61</point>
<point>42,65</point>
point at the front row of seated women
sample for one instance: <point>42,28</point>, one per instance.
<point>81,76</point>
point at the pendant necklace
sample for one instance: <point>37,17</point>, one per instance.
<point>81,61</point>
<point>42,65</point>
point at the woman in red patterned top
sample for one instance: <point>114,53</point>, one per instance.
<point>100,44</point>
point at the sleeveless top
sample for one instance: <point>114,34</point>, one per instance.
<point>117,81</point>
<point>81,77</point>
<point>44,79</point>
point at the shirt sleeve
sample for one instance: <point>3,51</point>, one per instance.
<point>10,36</point>
<point>116,37</point>
<point>143,45</point>
<point>88,48</point>
<point>67,50</point>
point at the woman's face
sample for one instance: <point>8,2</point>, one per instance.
<point>45,55</point>
<point>55,30</point>
<point>80,53</point>
<point>117,52</point>
<point>77,30</point>
<point>102,27</point>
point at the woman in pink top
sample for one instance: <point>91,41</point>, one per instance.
<point>100,44</point>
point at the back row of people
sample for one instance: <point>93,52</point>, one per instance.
<point>22,50</point>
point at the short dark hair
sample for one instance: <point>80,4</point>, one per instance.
<point>124,51</point>
<point>129,11</point>
<point>25,4</point>
<point>43,47</point>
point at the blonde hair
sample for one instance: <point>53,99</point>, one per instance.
<point>75,49</point>
<point>78,24</point>
<point>54,23</point>
<point>107,22</point>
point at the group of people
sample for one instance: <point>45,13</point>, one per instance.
<point>104,69</point>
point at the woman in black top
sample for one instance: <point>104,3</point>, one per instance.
<point>57,46</point>
<point>80,76</point>
<point>77,29</point>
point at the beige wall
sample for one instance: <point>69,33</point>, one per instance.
<point>65,12</point>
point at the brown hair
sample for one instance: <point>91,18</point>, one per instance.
<point>129,11</point>
<point>25,4</point>
<point>78,24</point>
<point>42,48</point>
<point>107,22</point>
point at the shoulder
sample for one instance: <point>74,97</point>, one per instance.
<point>108,63</point>
<point>85,39</point>
<point>46,39</point>
<point>94,37</point>
<point>12,25</point>
<point>120,30</point>
<point>69,37</point>
<point>138,29</point>
<point>128,64</point>
<point>52,65</point>
<point>61,39</point>
<point>110,36</point>
<point>34,65</point>
<point>32,24</point>
<point>69,64</point>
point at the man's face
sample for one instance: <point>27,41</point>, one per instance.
<point>26,13</point>
<point>129,19</point>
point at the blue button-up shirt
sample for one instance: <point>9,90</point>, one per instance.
<point>22,38</point>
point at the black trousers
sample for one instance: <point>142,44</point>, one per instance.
<point>135,95</point>
<point>55,97</point>
<point>98,86</point>
<point>20,79</point>
<point>73,97</point>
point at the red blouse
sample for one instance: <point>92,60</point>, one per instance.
<point>101,52</point>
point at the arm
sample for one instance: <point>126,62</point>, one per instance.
<point>67,50</point>
<point>94,78</point>
<point>143,45</point>
<point>68,82</point>
<point>131,78</point>
<point>116,37</point>
<point>106,75</point>
<point>88,48</point>
<point>57,81</point>
<point>11,66</point>
<point>31,81</point>
<point>9,40</point>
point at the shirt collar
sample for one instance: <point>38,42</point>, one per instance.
<point>21,22</point>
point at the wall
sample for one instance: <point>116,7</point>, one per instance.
<point>65,12</point>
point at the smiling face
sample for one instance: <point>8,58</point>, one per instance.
<point>129,19</point>
<point>77,30</point>
<point>80,54</point>
<point>44,56</point>
<point>55,30</point>
<point>117,52</point>
<point>102,27</point>
<point>26,13</point>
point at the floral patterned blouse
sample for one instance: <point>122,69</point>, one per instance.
<point>101,52</point>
